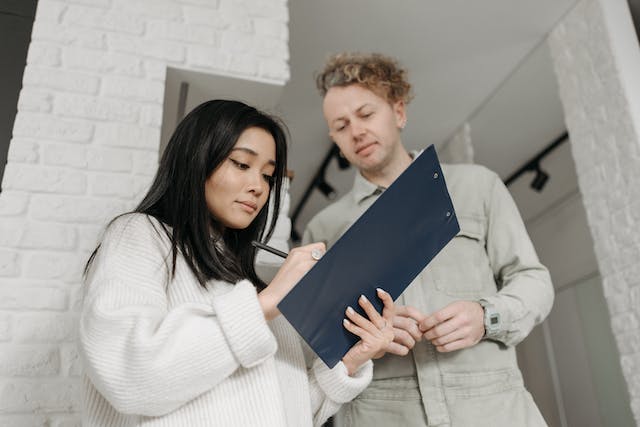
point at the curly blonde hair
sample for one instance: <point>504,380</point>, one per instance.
<point>380,74</point>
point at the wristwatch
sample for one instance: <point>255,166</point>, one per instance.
<point>492,323</point>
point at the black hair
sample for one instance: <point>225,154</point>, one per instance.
<point>176,198</point>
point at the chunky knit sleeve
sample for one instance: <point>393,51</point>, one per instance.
<point>144,357</point>
<point>330,388</point>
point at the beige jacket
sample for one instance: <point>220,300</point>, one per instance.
<point>492,258</point>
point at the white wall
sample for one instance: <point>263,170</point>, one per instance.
<point>85,146</point>
<point>597,61</point>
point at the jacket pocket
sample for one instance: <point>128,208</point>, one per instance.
<point>462,268</point>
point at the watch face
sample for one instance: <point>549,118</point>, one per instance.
<point>494,320</point>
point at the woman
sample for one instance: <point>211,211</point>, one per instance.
<point>176,328</point>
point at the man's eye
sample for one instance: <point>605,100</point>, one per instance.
<point>239,165</point>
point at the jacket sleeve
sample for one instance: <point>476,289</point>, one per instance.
<point>330,388</point>
<point>146,358</point>
<point>525,293</point>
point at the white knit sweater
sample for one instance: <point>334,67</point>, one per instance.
<point>175,354</point>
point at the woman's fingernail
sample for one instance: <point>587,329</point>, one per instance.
<point>380,290</point>
<point>363,298</point>
<point>350,310</point>
<point>345,322</point>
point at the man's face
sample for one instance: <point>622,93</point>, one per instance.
<point>365,126</point>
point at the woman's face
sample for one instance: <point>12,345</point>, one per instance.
<point>364,125</point>
<point>239,187</point>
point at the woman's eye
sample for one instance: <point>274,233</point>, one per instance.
<point>239,165</point>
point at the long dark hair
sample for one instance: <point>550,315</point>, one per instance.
<point>200,143</point>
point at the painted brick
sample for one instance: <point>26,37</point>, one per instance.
<point>23,420</point>
<point>151,115</point>
<point>208,57</point>
<point>237,42</point>
<point>233,16</point>
<point>43,54</point>
<point>50,11</point>
<point>205,16</point>
<point>5,327</point>
<point>35,100</point>
<point>162,9</point>
<point>33,299</point>
<point>213,4</point>
<point>27,361</point>
<point>44,327</point>
<point>115,185</point>
<point>64,155</point>
<point>80,16</point>
<point>155,70</point>
<point>244,64</point>
<point>26,234</point>
<point>145,162</point>
<point>112,160</point>
<point>137,137</point>
<point>96,108</point>
<point>60,80</point>
<point>74,209</point>
<point>270,10</point>
<point>88,236</point>
<point>76,36</point>
<point>270,28</point>
<point>54,266</point>
<point>273,68</point>
<point>9,263</point>
<point>13,203</point>
<point>133,89</point>
<point>199,34</point>
<point>68,421</point>
<point>42,126</point>
<point>39,395</point>
<point>44,179</point>
<point>71,365</point>
<point>141,186</point>
<point>97,3</point>
<point>76,293</point>
<point>169,51</point>
<point>103,62</point>
<point>23,150</point>
<point>272,48</point>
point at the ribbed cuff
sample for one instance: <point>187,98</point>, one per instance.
<point>336,382</point>
<point>244,325</point>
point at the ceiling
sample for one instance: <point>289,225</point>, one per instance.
<point>485,63</point>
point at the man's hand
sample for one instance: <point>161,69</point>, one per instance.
<point>458,325</point>
<point>405,329</point>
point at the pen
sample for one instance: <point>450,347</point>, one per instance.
<point>269,249</point>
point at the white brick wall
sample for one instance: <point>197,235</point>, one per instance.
<point>597,62</point>
<point>84,148</point>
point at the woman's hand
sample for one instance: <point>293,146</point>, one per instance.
<point>376,332</point>
<point>298,262</point>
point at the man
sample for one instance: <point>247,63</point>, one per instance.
<point>453,360</point>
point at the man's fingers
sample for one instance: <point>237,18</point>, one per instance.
<point>408,324</point>
<point>403,337</point>
<point>397,349</point>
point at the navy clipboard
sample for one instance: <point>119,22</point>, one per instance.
<point>386,247</point>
